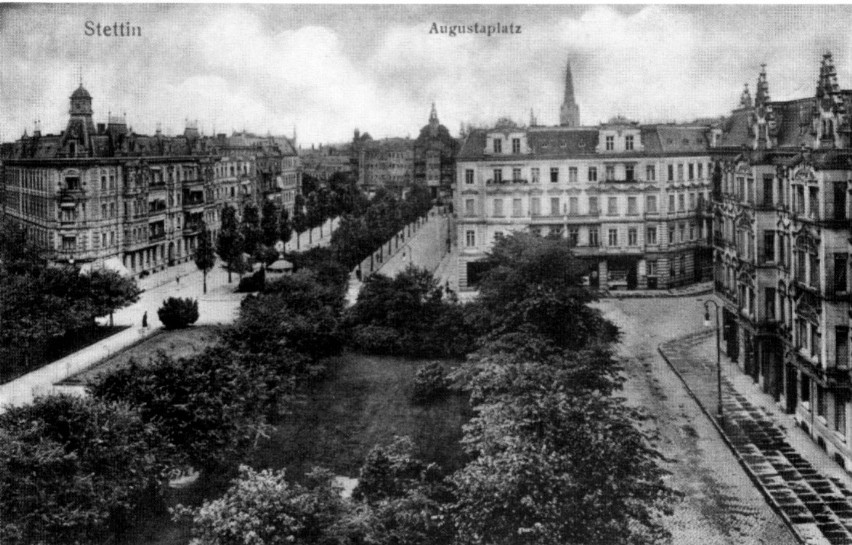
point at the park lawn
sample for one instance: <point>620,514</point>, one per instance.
<point>178,343</point>
<point>365,400</point>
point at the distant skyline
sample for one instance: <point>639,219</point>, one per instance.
<point>327,70</point>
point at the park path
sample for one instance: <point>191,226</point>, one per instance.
<point>220,305</point>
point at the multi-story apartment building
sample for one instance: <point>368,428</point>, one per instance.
<point>781,241</point>
<point>631,199</point>
<point>251,169</point>
<point>386,163</point>
<point>101,195</point>
<point>435,158</point>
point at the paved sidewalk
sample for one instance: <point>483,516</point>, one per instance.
<point>700,288</point>
<point>811,492</point>
<point>220,305</point>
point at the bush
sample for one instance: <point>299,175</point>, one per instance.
<point>178,313</point>
<point>430,382</point>
<point>253,282</point>
<point>376,339</point>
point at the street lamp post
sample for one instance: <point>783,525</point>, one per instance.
<point>720,414</point>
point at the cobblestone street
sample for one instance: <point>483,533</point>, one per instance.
<point>807,487</point>
<point>720,504</point>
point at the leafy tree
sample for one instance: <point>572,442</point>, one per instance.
<point>261,507</point>
<point>552,467</point>
<point>410,305</point>
<point>205,258</point>
<point>110,291</point>
<point>533,285</point>
<point>210,406</point>
<point>300,220</point>
<point>269,228</point>
<point>72,469</point>
<point>285,225</point>
<point>250,229</point>
<point>406,497</point>
<point>230,245</point>
<point>178,313</point>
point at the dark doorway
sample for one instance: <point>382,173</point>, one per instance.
<point>791,389</point>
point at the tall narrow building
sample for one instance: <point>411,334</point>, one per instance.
<point>569,113</point>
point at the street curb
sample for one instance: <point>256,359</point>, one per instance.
<point>757,483</point>
<point>668,295</point>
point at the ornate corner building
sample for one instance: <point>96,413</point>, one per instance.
<point>632,200</point>
<point>781,251</point>
<point>103,196</point>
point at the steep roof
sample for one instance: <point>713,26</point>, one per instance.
<point>559,142</point>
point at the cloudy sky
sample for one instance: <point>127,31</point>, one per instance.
<point>330,69</point>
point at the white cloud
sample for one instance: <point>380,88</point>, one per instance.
<point>243,66</point>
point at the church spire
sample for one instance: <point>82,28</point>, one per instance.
<point>569,113</point>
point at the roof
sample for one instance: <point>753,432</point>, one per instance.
<point>80,92</point>
<point>558,142</point>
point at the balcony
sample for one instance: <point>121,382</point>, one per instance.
<point>191,228</point>
<point>193,203</point>
<point>516,181</point>
<point>156,237</point>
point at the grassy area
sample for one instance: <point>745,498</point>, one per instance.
<point>178,343</point>
<point>364,401</point>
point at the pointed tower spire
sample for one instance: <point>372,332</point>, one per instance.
<point>533,120</point>
<point>569,113</point>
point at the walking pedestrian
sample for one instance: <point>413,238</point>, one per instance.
<point>145,320</point>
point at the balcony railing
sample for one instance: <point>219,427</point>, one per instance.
<point>508,181</point>
<point>154,237</point>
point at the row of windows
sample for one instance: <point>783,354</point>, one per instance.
<point>609,144</point>
<point>572,208</point>
<point>610,173</point>
<point>676,235</point>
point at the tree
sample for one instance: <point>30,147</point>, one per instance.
<point>285,226</point>
<point>72,469</point>
<point>205,258</point>
<point>110,291</point>
<point>300,220</point>
<point>229,246</point>
<point>269,228</point>
<point>262,508</point>
<point>178,313</point>
<point>552,468</point>
<point>210,406</point>
<point>533,284</point>
<point>250,229</point>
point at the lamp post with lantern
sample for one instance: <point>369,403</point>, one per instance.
<point>720,414</point>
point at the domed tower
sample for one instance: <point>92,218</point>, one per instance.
<point>76,140</point>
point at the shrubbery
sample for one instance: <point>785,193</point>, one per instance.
<point>253,282</point>
<point>430,382</point>
<point>178,313</point>
<point>407,315</point>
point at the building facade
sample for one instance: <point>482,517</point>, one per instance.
<point>782,244</point>
<point>435,158</point>
<point>632,200</point>
<point>103,196</point>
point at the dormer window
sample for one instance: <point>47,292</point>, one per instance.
<point>610,143</point>
<point>628,143</point>
<point>498,145</point>
<point>516,145</point>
